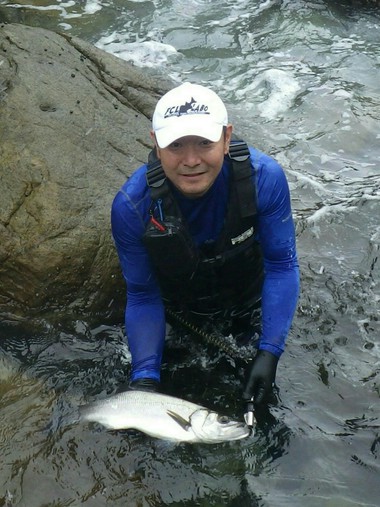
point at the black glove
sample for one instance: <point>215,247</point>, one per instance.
<point>144,384</point>
<point>141,384</point>
<point>261,377</point>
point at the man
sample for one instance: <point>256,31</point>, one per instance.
<point>205,233</point>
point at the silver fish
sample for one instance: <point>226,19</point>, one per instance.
<point>165,417</point>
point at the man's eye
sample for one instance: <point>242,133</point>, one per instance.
<point>174,146</point>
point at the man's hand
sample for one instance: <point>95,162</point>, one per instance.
<point>144,384</point>
<point>260,377</point>
<point>141,384</point>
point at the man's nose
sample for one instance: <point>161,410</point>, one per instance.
<point>191,156</point>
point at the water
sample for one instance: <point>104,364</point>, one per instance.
<point>301,80</point>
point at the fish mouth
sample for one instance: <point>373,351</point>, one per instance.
<point>242,431</point>
<point>239,431</point>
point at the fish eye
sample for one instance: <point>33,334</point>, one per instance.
<point>223,419</point>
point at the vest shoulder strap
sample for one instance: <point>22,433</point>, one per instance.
<point>156,178</point>
<point>159,186</point>
<point>242,174</point>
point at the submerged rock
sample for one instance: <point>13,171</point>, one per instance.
<point>74,124</point>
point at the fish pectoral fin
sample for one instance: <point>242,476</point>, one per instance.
<point>179,420</point>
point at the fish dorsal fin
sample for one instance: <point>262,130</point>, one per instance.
<point>179,420</point>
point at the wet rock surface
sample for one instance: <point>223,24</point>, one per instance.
<point>74,124</point>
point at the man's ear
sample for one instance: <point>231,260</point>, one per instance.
<point>227,137</point>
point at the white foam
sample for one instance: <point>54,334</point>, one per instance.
<point>144,53</point>
<point>63,7</point>
<point>318,215</point>
<point>279,86</point>
<point>308,179</point>
<point>65,26</point>
<point>92,6</point>
<point>283,90</point>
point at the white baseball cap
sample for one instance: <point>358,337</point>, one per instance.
<point>189,110</point>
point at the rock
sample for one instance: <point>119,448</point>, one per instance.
<point>74,124</point>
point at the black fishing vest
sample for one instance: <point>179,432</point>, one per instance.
<point>226,274</point>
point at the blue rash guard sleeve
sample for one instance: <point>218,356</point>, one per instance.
<point>144,313</point>
<point>276,234</point>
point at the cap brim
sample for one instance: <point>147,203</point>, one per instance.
<point>209,130</point>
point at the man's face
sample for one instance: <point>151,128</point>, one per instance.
<point>193,163</point>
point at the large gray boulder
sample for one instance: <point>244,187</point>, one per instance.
<point>74,124</point>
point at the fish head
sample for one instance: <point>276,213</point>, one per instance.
<point>209,426</point>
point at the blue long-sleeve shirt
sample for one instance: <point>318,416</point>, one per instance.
<point>145,316</point>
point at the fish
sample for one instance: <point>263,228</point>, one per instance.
<point>163,416</point>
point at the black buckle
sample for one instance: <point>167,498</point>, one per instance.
<point>155,175</point>
<point>238,151</point>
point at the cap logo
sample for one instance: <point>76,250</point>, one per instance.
<point>192,107</point>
